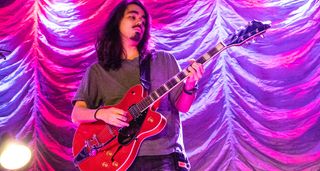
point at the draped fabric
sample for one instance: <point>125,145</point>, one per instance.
<point>258,105</point>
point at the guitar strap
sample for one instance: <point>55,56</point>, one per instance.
<point>145,71</point>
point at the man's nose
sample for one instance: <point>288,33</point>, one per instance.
<point>139,23</point>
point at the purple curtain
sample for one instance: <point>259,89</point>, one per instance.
<point>258,105</point>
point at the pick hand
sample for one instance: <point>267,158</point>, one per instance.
<point>113,116</point>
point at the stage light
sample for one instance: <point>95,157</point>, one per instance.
<point>14,155</point>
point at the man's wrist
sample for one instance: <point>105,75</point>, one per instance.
<point>190,91</point>
<point>95,114</point>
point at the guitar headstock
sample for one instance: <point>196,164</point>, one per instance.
<point>253,29</point>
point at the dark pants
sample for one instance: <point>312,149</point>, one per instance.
<point>155,163</point>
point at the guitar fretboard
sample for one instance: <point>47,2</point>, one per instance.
<point>165,88</point>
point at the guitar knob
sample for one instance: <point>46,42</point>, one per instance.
<point>115,164</point>
<point>105,164</point>
<point>150,119</point>
<point>109,153</point>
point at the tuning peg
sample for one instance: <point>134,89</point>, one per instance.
<point>253,41</point>
<point>262,36</point>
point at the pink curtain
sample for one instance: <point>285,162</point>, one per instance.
<point>258,106</point>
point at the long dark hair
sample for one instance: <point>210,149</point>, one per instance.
<point>109,46</point>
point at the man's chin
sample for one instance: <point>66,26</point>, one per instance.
<point>136,37</point>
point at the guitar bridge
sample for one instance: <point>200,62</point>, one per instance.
<point>91,147</point>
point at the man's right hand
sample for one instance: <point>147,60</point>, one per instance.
<point>113,116</point>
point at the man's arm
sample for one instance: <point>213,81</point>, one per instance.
<point>188,93</point>
<point>113,116</point>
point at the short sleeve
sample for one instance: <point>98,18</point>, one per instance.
<point>88,89</point>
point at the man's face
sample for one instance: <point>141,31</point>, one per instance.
<point>132,25</point>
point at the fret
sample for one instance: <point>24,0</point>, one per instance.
<point>206,57</point>
<point>171,83</point>
<point>133,111</point>
<point>203,59</point>
<point>185,73</point>
<point>138,108</point>
<point>213,51</point>
<point>154,95</point>
<point>149,99</point>
<point>182,75</point>
<point>147,102</point>
<point>166,87</point>
<point>217,49</point>
<point>161,90</point>
<point>176,79</point>
<point>144,104</point>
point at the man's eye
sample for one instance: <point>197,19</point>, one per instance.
<point>132,17</point>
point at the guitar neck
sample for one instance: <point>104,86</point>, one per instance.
<point>174,81</point>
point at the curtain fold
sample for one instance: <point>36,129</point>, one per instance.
<point>258,105</point>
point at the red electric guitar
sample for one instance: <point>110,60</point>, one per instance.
<point>98,146</point>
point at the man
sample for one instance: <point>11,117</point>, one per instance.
<point>121,48</point>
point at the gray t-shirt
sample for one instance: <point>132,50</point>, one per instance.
<point>99,87</point>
